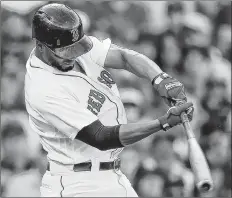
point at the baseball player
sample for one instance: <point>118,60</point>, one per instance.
<point>74,105</point>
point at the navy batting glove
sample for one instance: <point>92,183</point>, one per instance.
<point>170,89</point>
<point>172,117</point>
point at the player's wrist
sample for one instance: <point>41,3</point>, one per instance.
<point>163,120</point>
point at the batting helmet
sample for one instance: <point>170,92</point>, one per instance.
<point>60,28</point>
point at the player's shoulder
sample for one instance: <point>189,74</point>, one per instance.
<point>99,50</point>
<point>96,41</point>
<point>99,45</point>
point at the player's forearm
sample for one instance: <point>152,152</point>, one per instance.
<point>140,65</point>
<point>104,137</point>
<point>111,137</point>
<point>131,133</point>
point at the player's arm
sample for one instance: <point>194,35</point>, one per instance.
<point>105,138</point>
<point>130,60</point>
<point>71,118</point>
<point>169,88</point>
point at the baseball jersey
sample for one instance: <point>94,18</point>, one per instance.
<point>60,104</point>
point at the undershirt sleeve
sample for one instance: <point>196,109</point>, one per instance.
<point>100,136</point>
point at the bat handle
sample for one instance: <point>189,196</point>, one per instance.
<point>187,126</point>
<point>185,122</point>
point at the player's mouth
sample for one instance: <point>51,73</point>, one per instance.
<point>69,62</point>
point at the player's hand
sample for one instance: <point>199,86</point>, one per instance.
<point>172,117</point>
<point>170,89</point>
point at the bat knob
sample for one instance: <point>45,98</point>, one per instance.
<point>205,186</point>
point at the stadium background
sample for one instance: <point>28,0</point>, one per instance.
<point>189,40</point>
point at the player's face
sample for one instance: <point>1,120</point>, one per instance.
<point>63,64</point>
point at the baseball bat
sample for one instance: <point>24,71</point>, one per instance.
<point>197,159</point>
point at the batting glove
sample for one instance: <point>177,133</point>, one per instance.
<point>170,89</point>
<point>172,117</point>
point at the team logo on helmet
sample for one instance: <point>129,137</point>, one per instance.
<point>75,34</point>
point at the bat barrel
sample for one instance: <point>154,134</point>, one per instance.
<point>198,162</point>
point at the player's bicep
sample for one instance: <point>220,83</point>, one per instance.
<point>67,115</point>
<point>122,58</point>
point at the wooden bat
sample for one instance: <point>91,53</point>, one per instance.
<point>197,159</point>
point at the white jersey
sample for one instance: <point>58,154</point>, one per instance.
<point>60,104</point>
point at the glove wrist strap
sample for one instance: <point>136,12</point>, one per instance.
<point>159,78</point>
<point>164,123</point>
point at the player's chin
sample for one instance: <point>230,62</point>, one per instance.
<point>67,63</point>
<point>65,66</point>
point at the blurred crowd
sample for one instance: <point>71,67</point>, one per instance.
<point>191,41</point>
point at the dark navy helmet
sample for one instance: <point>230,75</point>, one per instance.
<point>60,28</point>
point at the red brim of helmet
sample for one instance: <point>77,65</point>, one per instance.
<point>75,50</point>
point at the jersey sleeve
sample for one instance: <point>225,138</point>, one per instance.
<point>67,115</point>
<point>99,51</point>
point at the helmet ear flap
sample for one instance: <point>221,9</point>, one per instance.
<point>39,45</point>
